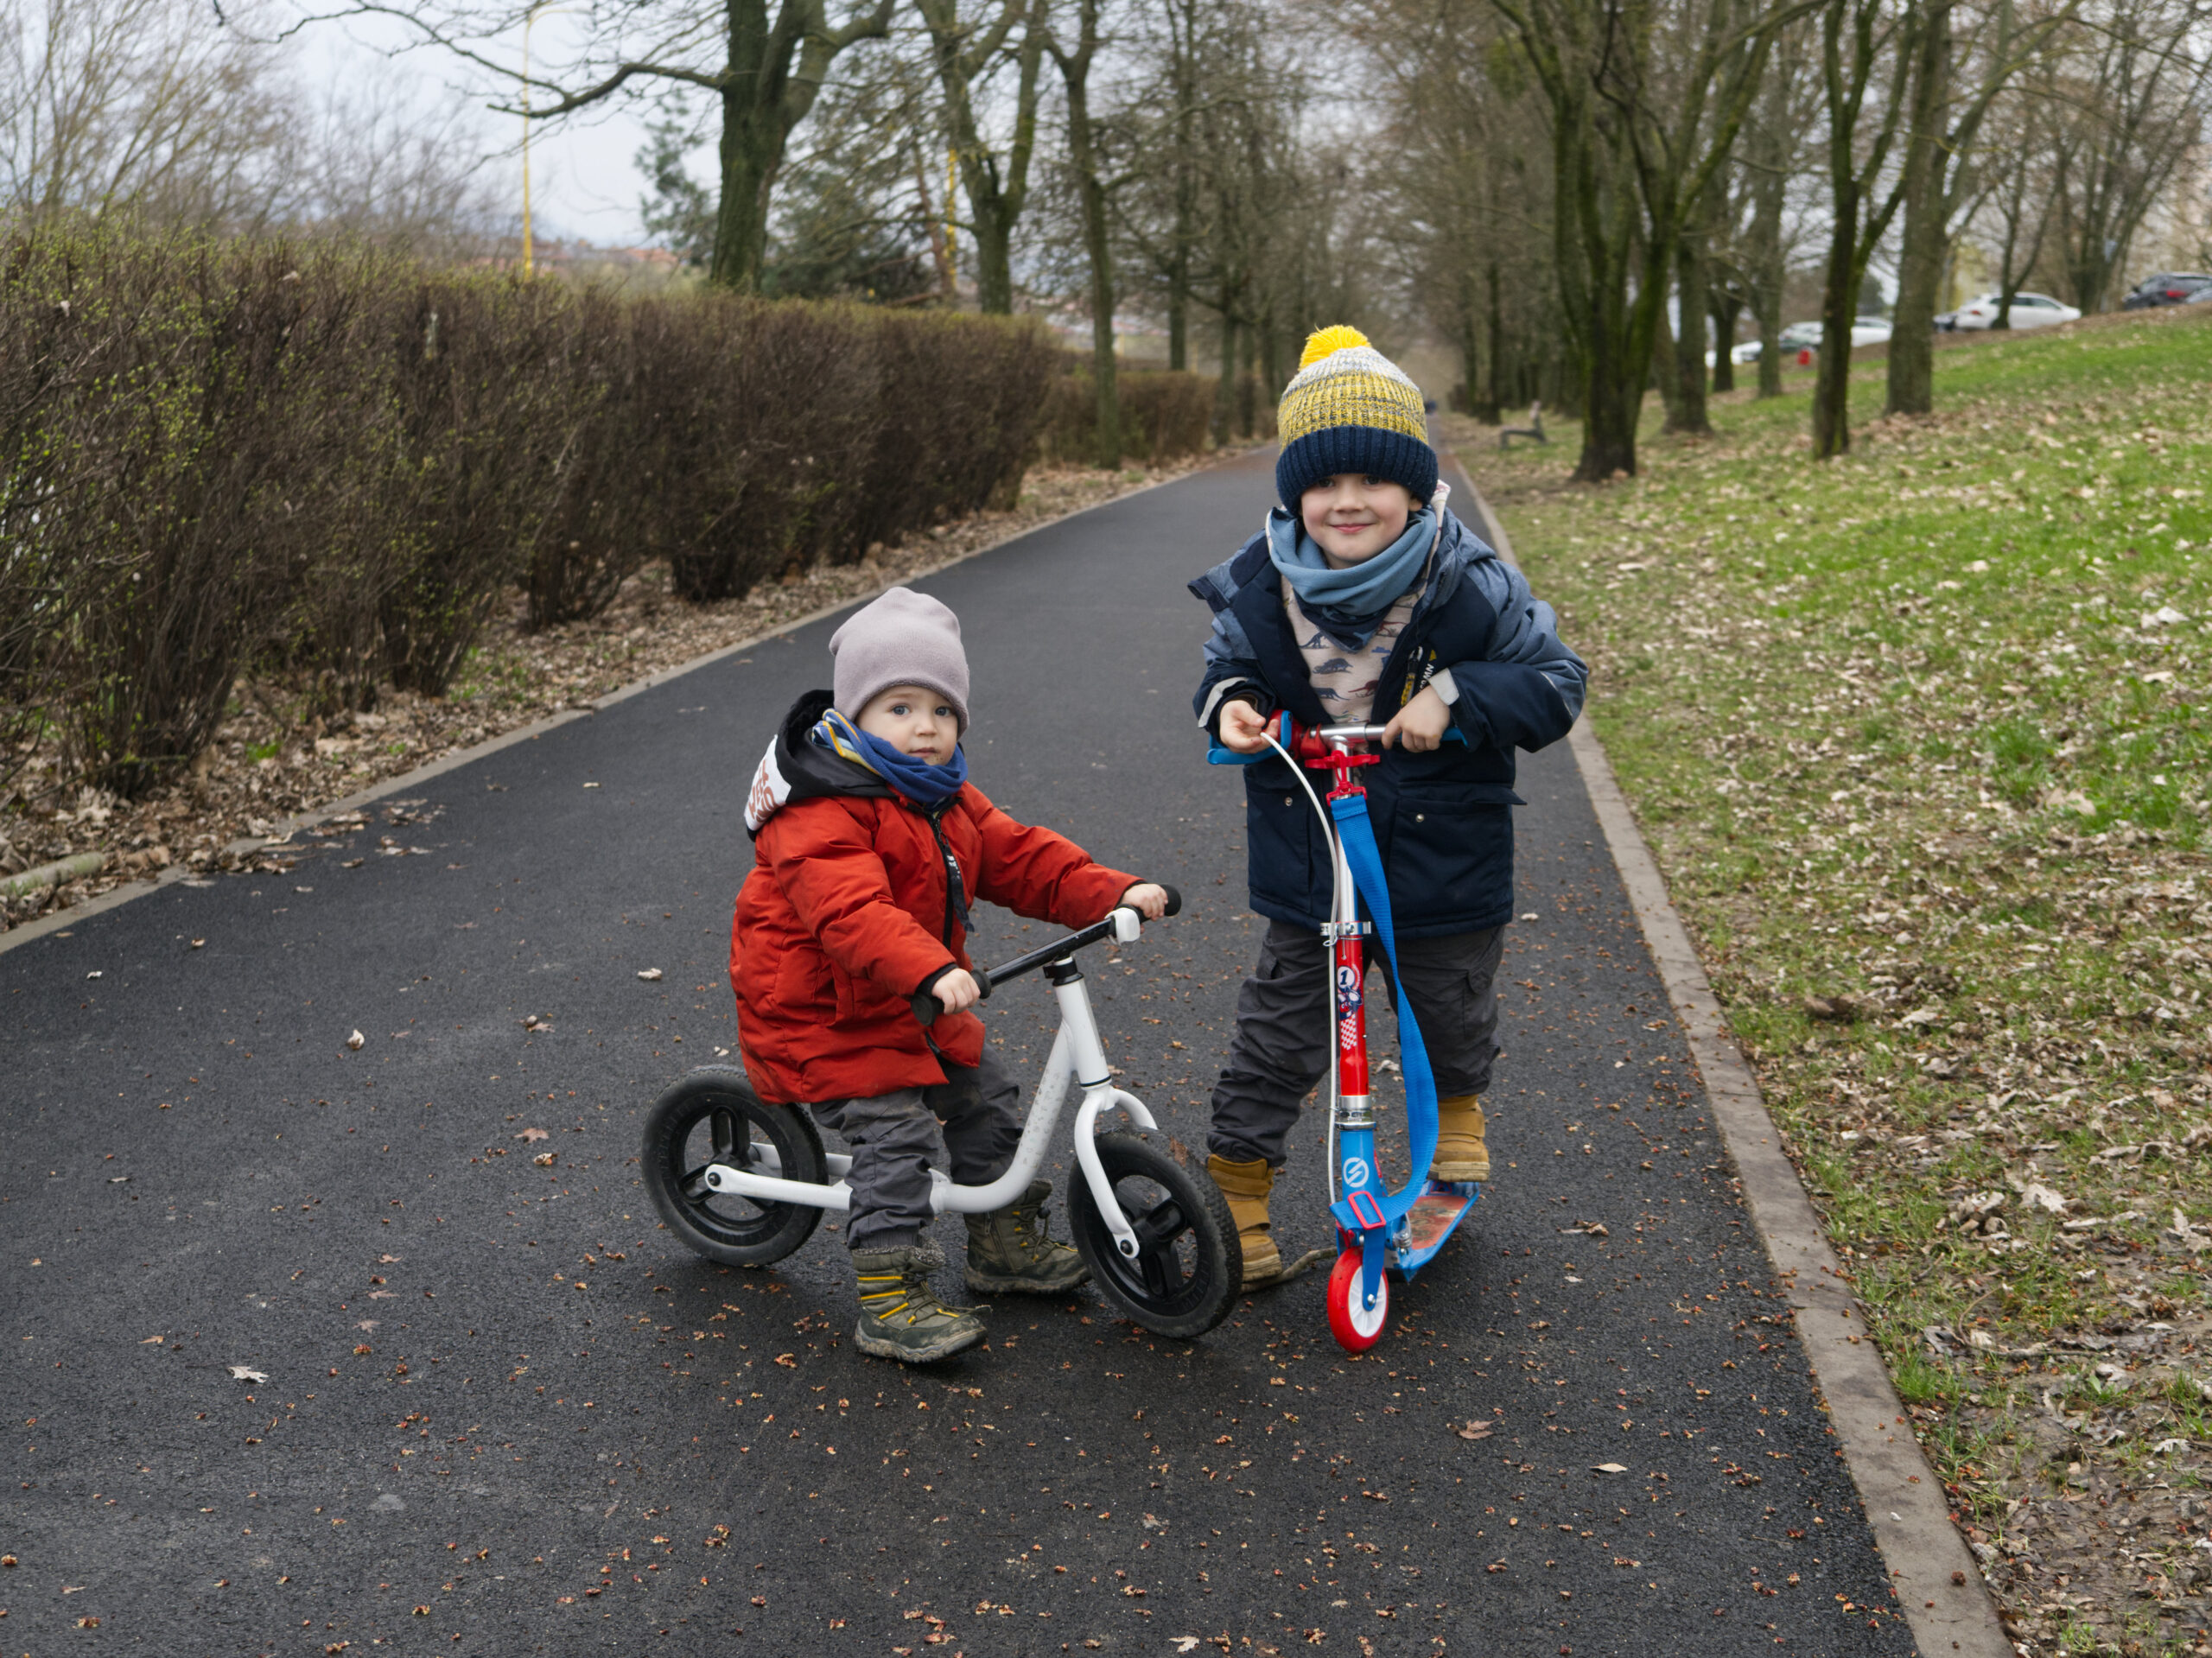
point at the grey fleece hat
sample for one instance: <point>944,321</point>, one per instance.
<point>903,639</point>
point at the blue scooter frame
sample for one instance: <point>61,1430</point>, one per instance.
<point>1380,1232</point>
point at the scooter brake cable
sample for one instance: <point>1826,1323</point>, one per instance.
<point>1329,833</point>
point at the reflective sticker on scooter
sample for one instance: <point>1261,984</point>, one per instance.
<point>1355,1172</point>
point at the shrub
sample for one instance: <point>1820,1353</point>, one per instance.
<point>1165,415</point>
<point>332,464</point>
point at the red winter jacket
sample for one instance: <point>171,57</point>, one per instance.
<point>847,911</point>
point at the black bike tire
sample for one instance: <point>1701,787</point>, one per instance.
<point>1206,1299</point>
<point>778,1229</point>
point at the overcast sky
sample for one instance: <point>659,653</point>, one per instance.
<point>584,181</point>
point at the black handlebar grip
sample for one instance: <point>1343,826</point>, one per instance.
<point>1174,899</point>
<point>925,1008</point>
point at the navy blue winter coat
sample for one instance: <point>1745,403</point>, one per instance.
<point>1443,820</point>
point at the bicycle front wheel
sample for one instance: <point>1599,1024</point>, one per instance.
<point>1188,1266</point>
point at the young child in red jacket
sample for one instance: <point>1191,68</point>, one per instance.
<point>868,844</point>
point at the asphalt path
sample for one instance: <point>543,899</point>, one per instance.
<point>313,1348</point>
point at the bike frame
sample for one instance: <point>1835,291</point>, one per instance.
<point>1077,1057</point>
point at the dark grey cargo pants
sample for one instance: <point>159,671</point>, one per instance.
<point>1284,1020</point>
<point>895,1137</point>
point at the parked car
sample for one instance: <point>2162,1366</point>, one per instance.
<point>2029,311</point>
<point>1747,352</point>
<point>2201,297</point>
<point>1806,336</point>
<point>2167,288</point>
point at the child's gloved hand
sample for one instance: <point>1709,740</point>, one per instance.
<point>1147,899</point>
<point>1243,728</point>
<point>1419,725</point>
<point>956,991</point>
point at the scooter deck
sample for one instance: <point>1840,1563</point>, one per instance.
<point>1429,1224</point>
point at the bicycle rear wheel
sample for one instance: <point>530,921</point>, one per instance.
<point>712,1115</point>
<point>1188,1265</point>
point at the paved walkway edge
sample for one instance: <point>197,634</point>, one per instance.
<point>452,760</point>
<point>1938,1586</point>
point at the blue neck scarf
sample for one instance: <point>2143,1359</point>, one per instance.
<point>1350,603</point>
<point>919,781</point>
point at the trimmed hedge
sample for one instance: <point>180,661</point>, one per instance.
<point>327,461</point>
<point>1165,413</point>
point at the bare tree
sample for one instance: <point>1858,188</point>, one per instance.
<point>997,189</point>
<point>765,67</point>
<point>149,105</point>
<point>2135,74</point>
<point>1867,47</point>
<point>1646,101</point>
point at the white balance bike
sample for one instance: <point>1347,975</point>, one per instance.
<point>743,1182</point>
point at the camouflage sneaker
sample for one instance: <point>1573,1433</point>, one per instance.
<point>900,1315</point>
<point>1009,1250</point>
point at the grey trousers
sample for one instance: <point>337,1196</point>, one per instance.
<point>894,1137</point>
<point>1285,1018</point>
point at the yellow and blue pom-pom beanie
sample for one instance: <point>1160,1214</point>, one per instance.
<point>1351,410</point>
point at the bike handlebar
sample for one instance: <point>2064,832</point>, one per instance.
<point>927,1008</point>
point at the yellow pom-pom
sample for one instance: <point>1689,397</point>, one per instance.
<point>1322,341</point>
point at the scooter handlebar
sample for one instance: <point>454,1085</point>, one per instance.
<point>926,1007</point>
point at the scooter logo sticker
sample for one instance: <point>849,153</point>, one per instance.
<point>1355,1172</point>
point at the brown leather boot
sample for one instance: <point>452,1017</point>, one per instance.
<point>1460,1153</point>
<point>1246,1186</point>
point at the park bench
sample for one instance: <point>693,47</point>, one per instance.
<point>1534,429</point>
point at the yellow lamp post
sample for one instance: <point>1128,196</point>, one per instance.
<point>528,262</point>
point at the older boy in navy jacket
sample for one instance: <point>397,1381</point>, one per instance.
<point>1365,601</point>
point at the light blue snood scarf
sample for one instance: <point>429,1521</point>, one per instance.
<point>1350,603</point>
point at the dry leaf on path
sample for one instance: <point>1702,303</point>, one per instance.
<point>1609,1468</point>
<point>1475,1430</point>
<point>245,1373</point>
<point>533,1133</point>
<point>355,1041</point>
<point>650,974</point>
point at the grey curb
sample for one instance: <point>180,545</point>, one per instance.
<point>1939,1585</point>
<point>453,760</point>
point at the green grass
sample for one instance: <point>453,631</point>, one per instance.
<point>1917,728</point>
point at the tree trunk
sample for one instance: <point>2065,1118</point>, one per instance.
<point>1686,413</point>
<point>1247,413</point>
<point>1494,382</point>
<point>1083,159</point>
<point>1926,226</point>
<point>752,148</point>
<point>995,199</point>
<point>1224,396</point>
<point>1724,309</point>
<point>1839,305</point>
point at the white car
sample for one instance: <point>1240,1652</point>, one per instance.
<point>2029,311</point>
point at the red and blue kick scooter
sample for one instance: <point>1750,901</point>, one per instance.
<point>1379,1231</point>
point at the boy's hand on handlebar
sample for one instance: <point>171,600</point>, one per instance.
<point>1148,898</point>
<point>956,991</point>
<point>1419,725</point>
<point>1242,729</point>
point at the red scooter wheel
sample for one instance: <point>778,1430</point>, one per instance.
<point>1357,1328</point>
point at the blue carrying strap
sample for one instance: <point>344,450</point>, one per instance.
<point>1358,833</point>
